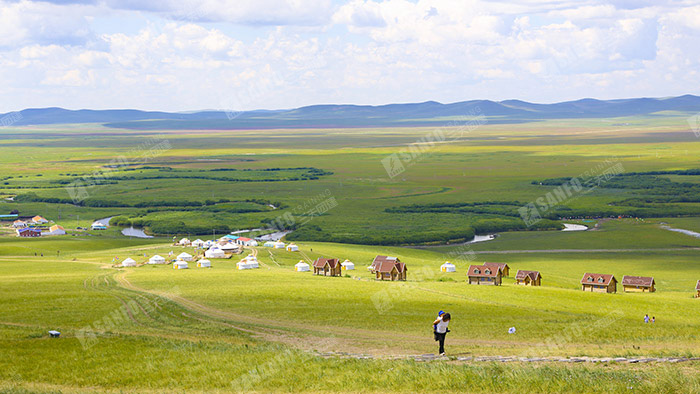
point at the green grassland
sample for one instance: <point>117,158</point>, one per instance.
<point>223,330</point>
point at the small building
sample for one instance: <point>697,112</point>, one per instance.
<point>348,265</point>
<point>327,267</point>
<point>391,270</point>
<point>19,224</point>
<point>448,267</point>
<point>180,265</point>
<point>528,278</point>
<point>198,243</point>
<point>98,226</point>
<point>56,230</point>
<point>204,263</point>
<point>301,266</point>
<point>292,248</point>
<point>279,245</point>
<point>638,284</point>
<point>39,220</point>
<point>215,253</point>
<point>184,256</point>
<point>505,269</point>
<point>243,241</point>
<point>156,260</point>
<point>599,283</point>
<point>378,260</point>
<point>484,275</point>
<point>129,262</point>
<point>184,242</point>
<point>28,232</point>
<point>269,244</point>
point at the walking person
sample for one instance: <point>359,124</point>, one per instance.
<point>646,318</point>
<point>441,330</point>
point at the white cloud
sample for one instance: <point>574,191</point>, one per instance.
<point>35,22</point>
<point>361,51</point>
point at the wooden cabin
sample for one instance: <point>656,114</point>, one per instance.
<point>505,269</point>
<point>697,290</point>
<point>28,232</point>
<point>380,259</point>
<point>327,267</point>
<point>599,283</point>
<point>391,270</point>
<point>528,278</point>
<point>638,284</point>
<point>484,275</point>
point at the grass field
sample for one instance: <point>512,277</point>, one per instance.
<point>155,329</point>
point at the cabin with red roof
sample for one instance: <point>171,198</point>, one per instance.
<point>484,275</point>
<point>390,270</point>
<point>327,267</point>
<point>505,269</point>
<point>528,278</point>
<point>380,259</point>
<point>638,284</point>
<point>599,283</point>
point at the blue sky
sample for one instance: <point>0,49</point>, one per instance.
<point>247,54</point>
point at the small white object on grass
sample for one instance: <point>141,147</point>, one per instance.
<point>511,330</point>
<point>54,334</point>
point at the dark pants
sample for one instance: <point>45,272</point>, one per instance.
<point>441,339</point>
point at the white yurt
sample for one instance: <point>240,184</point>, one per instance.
<point>204,263</point>
<point>129,262</point>
<point>269,244</point>
<point>247,263</point>
<point>215,253</point>
<point>348,265</point>
<point>448,267</point>
<point>180,265</point>
<point>292,248</point>
<point>185,256</point>
<point>229,248</point>
<point>301,266</point>
<point>279,245</point>
<point>157,259</point>
<point>197,243</point>
<point>184,242</point>
<point>209,243</point>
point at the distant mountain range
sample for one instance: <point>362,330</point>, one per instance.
<point>391,115</point>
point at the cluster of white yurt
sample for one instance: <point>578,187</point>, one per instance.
<point>301,266</point>
<point>215,253</point>
<point>269,244</point>
<point>157,259</point>
<point>184,256</point>
<point>198,243</point>
<point>448,267</point>
<point>204,263</point>
<point>247,263</point>
<point>129,262</point>
<point>292,248</point>
<point>180,265</point>
<point>348,265</point>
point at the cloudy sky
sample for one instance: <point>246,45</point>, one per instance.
<point>179,55</point>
